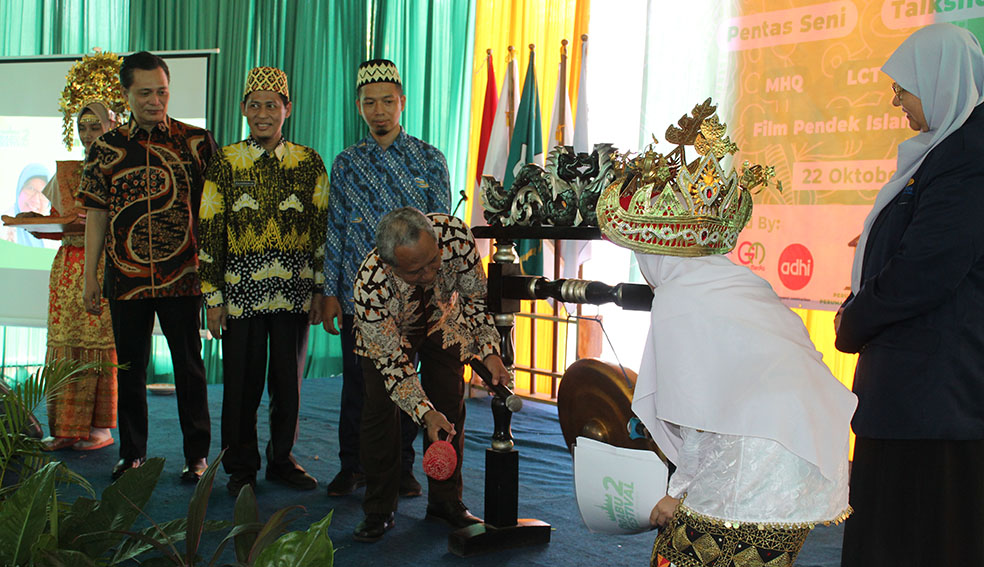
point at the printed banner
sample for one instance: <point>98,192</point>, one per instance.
<point>810,99</point>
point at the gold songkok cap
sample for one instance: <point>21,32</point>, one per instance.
<point>377,71</point>
<point>266,79</point>
<point>660,204</point>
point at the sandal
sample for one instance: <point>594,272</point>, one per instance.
<point>93,444</point>
<point>57,443</point>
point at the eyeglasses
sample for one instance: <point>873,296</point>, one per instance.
<point>898,90</point>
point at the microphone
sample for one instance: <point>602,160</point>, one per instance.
<point>464,197</point>
<point>513,402</point>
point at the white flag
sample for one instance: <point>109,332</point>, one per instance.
<point>505,116</point>
<point>561,124</point>
<point>582,142</point>
<point>576,252</point>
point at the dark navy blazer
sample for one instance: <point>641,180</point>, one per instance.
<point>918,319</point>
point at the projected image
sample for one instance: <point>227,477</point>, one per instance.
<point>29,148</point>
<point>31,131</point>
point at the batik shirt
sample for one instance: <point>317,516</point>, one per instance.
<point>150,184</point>
<point>366,183</point>
<point>388,311</point>
<point>263,219</point>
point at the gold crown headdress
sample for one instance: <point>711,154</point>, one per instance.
<point>95,77</point>
<point>660,204</point>
<point>266,79</point>
<point>377,71</point>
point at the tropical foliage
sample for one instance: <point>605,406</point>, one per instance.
<point>37,529</point>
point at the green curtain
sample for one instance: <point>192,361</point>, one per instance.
<point>170,25</point>
<point>319,44</point>
<point>54,27</point>
<point>431,42</point>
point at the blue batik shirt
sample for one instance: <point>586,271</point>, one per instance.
<point>366,183</point>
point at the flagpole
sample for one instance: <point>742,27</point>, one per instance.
<point>559,139</point>
<point>533,309</point>
<point>562,86</point>
<point>510,94</point>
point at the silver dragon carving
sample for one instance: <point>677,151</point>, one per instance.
<point>564,193</point>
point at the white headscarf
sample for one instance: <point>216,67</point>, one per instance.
<point>725,355</point>
<point>941,64</point>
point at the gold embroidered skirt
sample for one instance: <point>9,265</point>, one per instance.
<point>74,334</point>
<point>694,540</point>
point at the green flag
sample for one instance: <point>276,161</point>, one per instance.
<point>526,146</point>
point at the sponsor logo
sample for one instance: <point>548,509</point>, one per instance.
<point>751,254</point>
<point>795,266</point>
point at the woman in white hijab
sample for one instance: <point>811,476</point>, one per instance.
<point>730,386</point>
<point>916,316</point>
<point>736,395</point>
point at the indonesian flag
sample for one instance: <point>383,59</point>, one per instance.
<point>488,119</point>
<point>505,117</point>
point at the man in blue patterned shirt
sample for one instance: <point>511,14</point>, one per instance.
<point>384,171</point>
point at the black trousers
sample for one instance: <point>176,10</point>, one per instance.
<point>442,377</point>
<point>350,416</point>
<point>133,324</point>
<point>245,369</point>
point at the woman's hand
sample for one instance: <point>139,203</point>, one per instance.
<point>663,511</point>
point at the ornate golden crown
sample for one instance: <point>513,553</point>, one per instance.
<point>660,204</point>
<point>95,77</point>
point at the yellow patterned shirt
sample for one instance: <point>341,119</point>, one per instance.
<point>262,229</point>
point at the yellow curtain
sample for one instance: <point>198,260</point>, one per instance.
<point>820,324</point>
<point>519,23</point>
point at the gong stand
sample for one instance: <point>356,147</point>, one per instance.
<point>502,529</point>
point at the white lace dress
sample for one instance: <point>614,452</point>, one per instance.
<point>750,479</point>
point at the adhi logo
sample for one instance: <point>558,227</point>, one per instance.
<point>795,266</point>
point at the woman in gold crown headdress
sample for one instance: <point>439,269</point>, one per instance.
<point>730,386</point>
<point>916,316</point>
<point>84,411</point>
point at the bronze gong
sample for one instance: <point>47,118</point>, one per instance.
<point>595,401</point>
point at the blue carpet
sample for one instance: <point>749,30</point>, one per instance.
<point>546,490</point>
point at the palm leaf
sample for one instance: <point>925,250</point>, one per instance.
<point>25,514</point>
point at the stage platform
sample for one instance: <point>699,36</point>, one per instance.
<point>546,490</point>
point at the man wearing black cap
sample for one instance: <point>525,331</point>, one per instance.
<point>384,171</point>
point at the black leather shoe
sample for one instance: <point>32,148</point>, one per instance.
<point>193,470</point>
<point>295,478</point>
<point>345,482</point>
<point>373,527</point>
<point>453,512</point>
<point>409,487</point>
<point>238,481</point>
<point>124,465</point>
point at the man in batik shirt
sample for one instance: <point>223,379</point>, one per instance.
<point>263,219</point>
<point>142,186</point>
<point>385,170</point>
<point>421,293</point>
